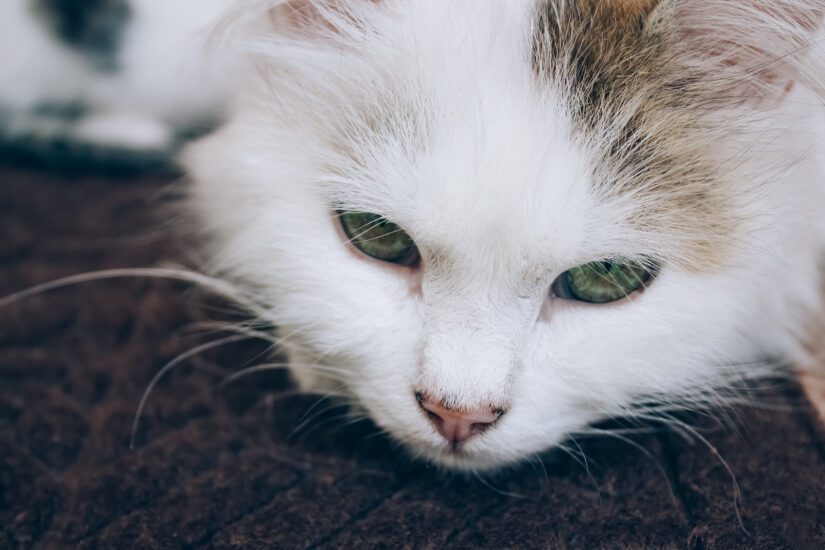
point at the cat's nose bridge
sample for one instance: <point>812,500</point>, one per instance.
<point>474,323</point>
<point>470,357</point>
<point>472,341</point>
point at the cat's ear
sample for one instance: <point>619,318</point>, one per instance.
<point>751,49</point>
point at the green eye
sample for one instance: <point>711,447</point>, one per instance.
<point>379,238</point>
<point>603,282</point>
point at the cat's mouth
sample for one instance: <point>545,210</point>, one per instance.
<point>477,454</point>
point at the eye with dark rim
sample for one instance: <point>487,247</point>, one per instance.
<point>379,238</point>
<point>605,281</point>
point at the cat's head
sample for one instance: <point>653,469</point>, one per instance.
<point>492,223</point>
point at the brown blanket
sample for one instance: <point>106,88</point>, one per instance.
<point>251,464</point>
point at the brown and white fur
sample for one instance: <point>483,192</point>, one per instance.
<point>513,141</point>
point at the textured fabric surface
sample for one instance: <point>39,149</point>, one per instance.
<point>252,464</point>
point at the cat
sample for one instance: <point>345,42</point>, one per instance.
<point>489,224</point>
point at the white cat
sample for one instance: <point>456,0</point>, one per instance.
<point>489,223</point>
<point>412,189</point>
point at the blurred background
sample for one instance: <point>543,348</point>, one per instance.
<point>112,85</point>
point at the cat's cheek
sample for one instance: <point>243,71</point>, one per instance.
<point>299,358</point>
<point>385,392</point>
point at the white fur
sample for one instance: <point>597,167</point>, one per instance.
<point>500,193</point>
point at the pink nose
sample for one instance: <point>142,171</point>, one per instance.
<point>457,426</point>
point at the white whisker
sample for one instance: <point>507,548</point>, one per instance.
<point>217,286</point>
<point>171,365</point>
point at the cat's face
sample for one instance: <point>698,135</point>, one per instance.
<point>518,155</point>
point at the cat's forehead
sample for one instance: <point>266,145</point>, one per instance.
<point>504,179</point>
<point>544,121</point>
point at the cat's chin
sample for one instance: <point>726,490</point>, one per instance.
<point>465,460</point>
